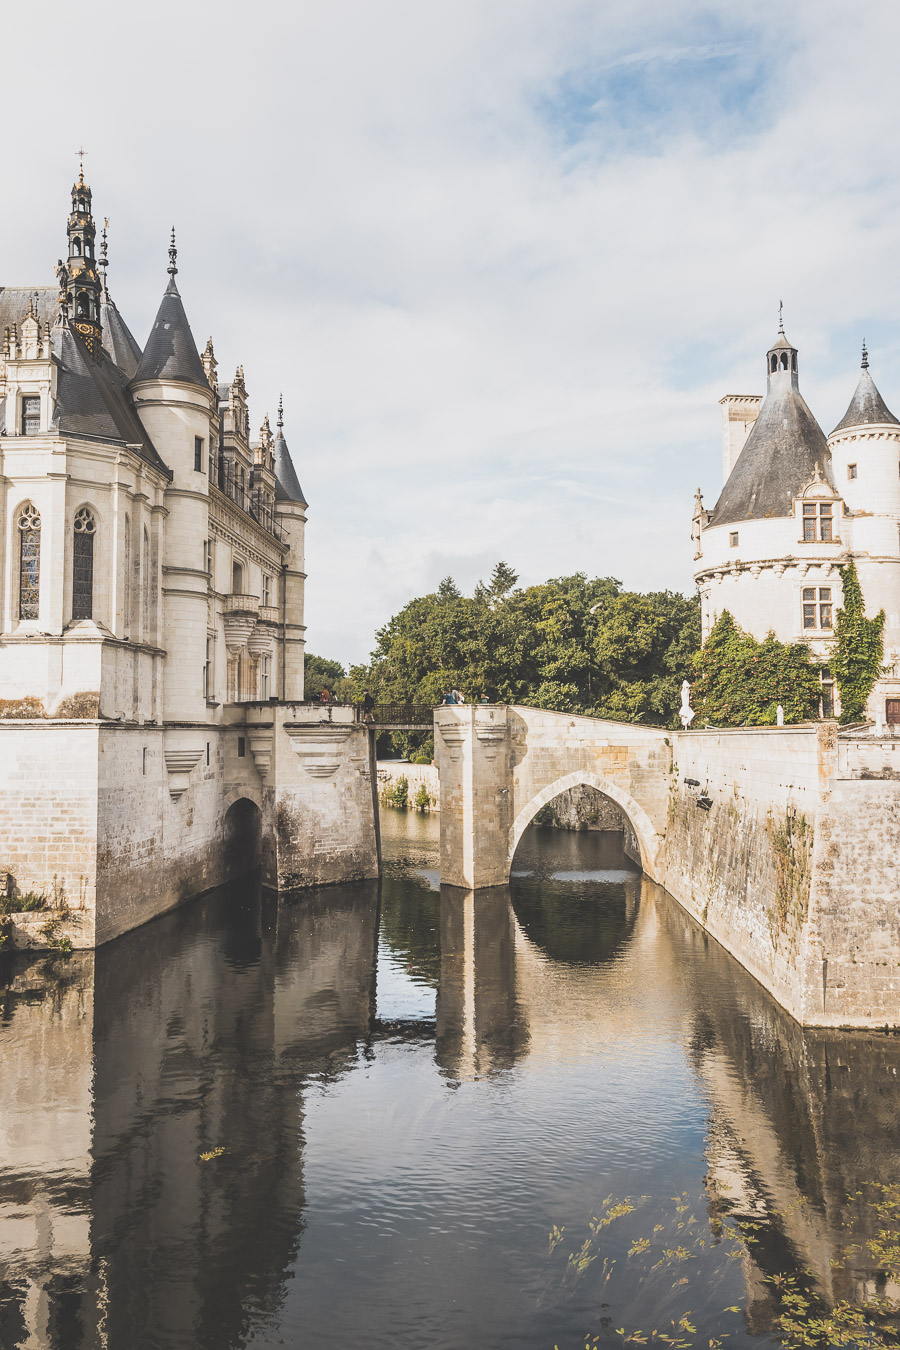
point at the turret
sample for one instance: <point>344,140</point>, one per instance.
<point>172,395</point>
<point>290,513</point>
<point>865,448</point>
<point>79,276</point>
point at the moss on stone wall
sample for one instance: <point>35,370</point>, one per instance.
<point>791,844</point>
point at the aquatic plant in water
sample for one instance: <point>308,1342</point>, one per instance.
<point>657,1270</point>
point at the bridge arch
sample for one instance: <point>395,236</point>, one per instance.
<point>649,841</point>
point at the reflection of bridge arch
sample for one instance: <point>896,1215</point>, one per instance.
<point>648,839</point>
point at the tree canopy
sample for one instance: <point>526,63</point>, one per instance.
<point>569,644</point>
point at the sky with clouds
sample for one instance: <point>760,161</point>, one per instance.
<point>503,257</point>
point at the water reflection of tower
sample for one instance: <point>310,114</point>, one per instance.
<point>202,1031</point>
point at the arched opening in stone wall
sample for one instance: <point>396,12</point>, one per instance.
<point>241,842</point>
<point>575,876</point>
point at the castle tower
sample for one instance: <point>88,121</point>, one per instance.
<point>865,448</point>
<point>769,550</point>
<point>82,280</point>
<point>290,513</point>
<point>175,403</point>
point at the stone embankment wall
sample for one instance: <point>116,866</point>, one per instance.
<point>792,866</point>
<point>115,824</point>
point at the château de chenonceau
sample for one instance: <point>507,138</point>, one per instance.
<point>154,737</point>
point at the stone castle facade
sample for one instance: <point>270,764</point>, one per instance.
<point>795,506</point>
<point>151,615</point>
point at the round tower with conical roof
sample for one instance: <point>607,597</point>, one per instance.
<point>865,450</point>
<point>770,549</point>
<point>175,403</point>
<point>290,512</point>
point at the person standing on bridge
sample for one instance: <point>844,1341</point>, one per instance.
<point>368,704</point>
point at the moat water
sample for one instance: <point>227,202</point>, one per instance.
<point>399,1119</point>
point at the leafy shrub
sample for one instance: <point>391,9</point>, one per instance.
<point>28,903</point>
<point>422,799</point>
<point>421,759</point>
<point>401,792</point>
<point>741,681</point>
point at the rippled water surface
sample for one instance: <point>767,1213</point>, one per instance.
<point>413,1119</point>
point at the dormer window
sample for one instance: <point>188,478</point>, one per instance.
<point>31,415</point>
<point>817,522</point>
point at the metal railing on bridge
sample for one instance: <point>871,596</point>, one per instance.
<point>398,716</point>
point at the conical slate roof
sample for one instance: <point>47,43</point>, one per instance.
<point>171,352</point>
<point>867,407</point>
<point>118,339</point>
<point>781,452</point>
<point>287,485</point>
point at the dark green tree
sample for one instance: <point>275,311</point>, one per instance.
<point>319,673</point>
<point>859,651</point>
<point>741,681</point>
<point>569,644</point>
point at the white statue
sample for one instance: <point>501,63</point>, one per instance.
<point>686,712</point>
<point>879,721</point>
<point>779,715</point>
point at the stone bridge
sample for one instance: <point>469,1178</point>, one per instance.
<point>782,842</point>
<point>499,766</point>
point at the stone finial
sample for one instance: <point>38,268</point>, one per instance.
<point>781,318</point>
<point>865,356</point>
<point>173,254</point>
<point>210,365</point>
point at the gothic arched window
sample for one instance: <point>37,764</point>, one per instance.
<point>83,565</point>
<point>29,523</point>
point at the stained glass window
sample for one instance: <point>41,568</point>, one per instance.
<point>83,565</point>
<point>29,562</point>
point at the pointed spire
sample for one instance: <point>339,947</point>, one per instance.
<point>171,353</point>
<point>867,407</point>
<point>103,261</point>
<point>79,276</point>
<point>781,318</point>
<point>287,485</point>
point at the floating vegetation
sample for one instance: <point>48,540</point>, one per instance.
<point>212,1153</point>
<point>680,1264</point>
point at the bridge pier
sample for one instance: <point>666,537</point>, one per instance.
<point>472,750</point>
